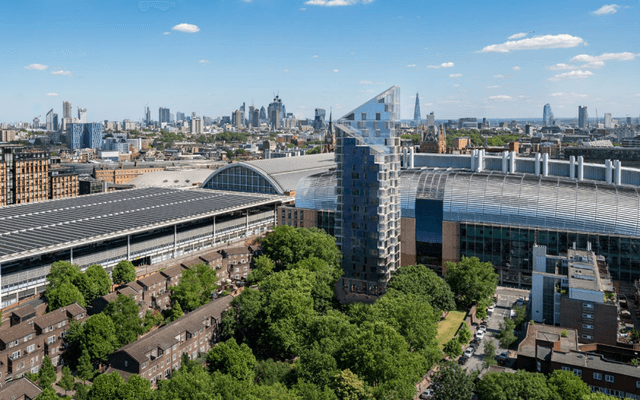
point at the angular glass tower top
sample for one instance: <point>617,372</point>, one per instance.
<point>375,120</point>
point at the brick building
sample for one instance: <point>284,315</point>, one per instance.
<point>19,389</point>
<point>122,174</point>
<point>157,354</point>
<point>63,183</point>
<point>548,348</point>
<point>237,261</point>
<point>24,345</point>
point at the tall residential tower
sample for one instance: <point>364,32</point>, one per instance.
<point>547,115</point>
<point>416,111</point>
<point>368,216</point>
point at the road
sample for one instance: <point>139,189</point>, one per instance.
<point>506,298</point>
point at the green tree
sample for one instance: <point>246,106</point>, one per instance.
<point>521,315</point>
<point>452,348</point>
<point>66,382</point>
<point>286,246</point>
<point>423,281</point>
<point>519,386</point>
<point>567,385</point>
<point>187,384</point>
<point>317,367</point>
<point>99,337</point>
<point>151,319</point>
<point>123,311</point>
<point>195,287</point>
<point>230,358</point>
<point>489,354</point>
<point>85,369</point>
<point>452,382</point>
<point>263,266</point>
<point>506,336</point>
<point>47,373</point>
<point>136,388</point>
<point>471,280</point>
<point>82,392</point>
<point>124,272</point>
<point>176,312</point>
<point>106,387</point>
<point>64,295</point>
<point>48,393</point>
<point>464,334</point>
<point>348,386</point>
<point>269,372</point>
<point>99,279</point>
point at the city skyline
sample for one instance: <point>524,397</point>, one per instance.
<point>491,61</point>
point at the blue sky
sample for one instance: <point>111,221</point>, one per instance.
<point>112,57</point>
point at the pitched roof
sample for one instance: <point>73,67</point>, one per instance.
<point>152,279</point>
<point>17,388</point>
<point>174,271</point>
<point>165,337</point>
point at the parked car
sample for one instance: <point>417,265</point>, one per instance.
<point>520,301</point>
<point>463,360</point>
<point>427,394</point>
<point>483,327</point>
<point>502,357</point>
<point>469,351</point>
<point>480,335</point>
<point>490,309</point>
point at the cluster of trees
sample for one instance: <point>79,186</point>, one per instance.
<point>452,382</point>
<point>477,137</point>
<point>194,289</point>
<point>68,284</point>
<point>166,139</point>
<point>230,137</point>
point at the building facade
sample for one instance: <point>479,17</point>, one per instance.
<point>547,115</point>
<point>368,215</point>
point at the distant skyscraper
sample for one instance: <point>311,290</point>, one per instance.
<point>56,127</point>
<point>608,122</point>
<point>416,111</point>
<point>148,117</point>
<point>318,121</point>
<point>583,117</point>
<point>82,115</point>
<point>242,113</point>
<point>196,125</point>
<point>237,121</point>
<point>66,109</point>
<point>180,116</point>
<point>263,114</point>
<point>256,118</point>
<point>164,115</point>
<point>74,134</point>
<point>279,106</point>
<point>368,217</point>
<point>547,115</point>
<point>50,120</point>
<point>431,119</point>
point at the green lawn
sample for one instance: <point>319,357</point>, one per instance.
<point>447,329</point>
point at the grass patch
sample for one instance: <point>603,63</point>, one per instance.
<point>447,329</point>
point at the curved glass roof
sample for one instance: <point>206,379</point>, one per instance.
<point>495,198</point>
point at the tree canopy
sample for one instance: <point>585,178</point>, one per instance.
<point>471,280</point>
<point>423,281</point>
<point>124,272</point>
<point>195,287</point>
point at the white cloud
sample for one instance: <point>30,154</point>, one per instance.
<point>336,70</point>
<point>303,9</point>
<point>517,36</point>
<point>39,67</point>
<point>285,71</point>
<point>500,97</point>
<point>166,33</point>
<point>498,76</point>
<point>492,87</point>
<point>204,61</point>
<point>188,28</point>
<point>334,3</point>
<point>51,94</point>
<point>563,94</point>
<point>61,72</point>
<point>598,61</point>
<point>456,85</point>
<point>370,83</point>
<point>561,67</point>
<point>314,56</point>
<point>606,10</point>
<point>411,66</point>
<point>516,68</point>
<point>579,74</point>
<point>535,43</point>
<point>443,65</point>
<point>455,75</point>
